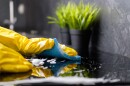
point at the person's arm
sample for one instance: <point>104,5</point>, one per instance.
<point>22,44</point>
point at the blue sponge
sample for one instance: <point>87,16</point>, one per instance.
<point>57,52</point>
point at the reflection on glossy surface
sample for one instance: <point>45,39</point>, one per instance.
<point>68,68</point>
<point>53,67</point>
<point>61,66</point>
<point>40,72</point>
<point>78,71</point>
<point>14,76</point>
<point>49,68</point>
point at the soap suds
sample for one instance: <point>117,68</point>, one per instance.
<point>52,61</point>
<point>38,62</point>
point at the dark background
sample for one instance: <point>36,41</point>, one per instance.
<point>113,36</point>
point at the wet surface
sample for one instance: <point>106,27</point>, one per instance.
<point>112,66</point>
<point>98,65</point>
<point>48,67</point>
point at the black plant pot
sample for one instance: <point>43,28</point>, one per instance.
<point>65,36</point>
<point>80,41</point>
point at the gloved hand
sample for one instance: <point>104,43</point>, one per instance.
<point>32,46</point>
<point>61,66</point>
<point>59,52</point>
<point>12,61</point>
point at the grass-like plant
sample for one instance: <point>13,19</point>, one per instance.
<point>75,16</point>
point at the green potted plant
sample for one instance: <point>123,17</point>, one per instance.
<point>80,20</point>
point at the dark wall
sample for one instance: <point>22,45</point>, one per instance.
<point>111,35</point>
<point>114,31</point>
<point>4,11</point>
<point>36,12</point>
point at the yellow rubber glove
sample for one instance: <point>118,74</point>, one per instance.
<point>68,50</point>
<point>22,44</point>
<point>12,61</point>
<point>31,46</point>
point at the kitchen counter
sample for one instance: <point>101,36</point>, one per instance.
<point>99,68</point>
